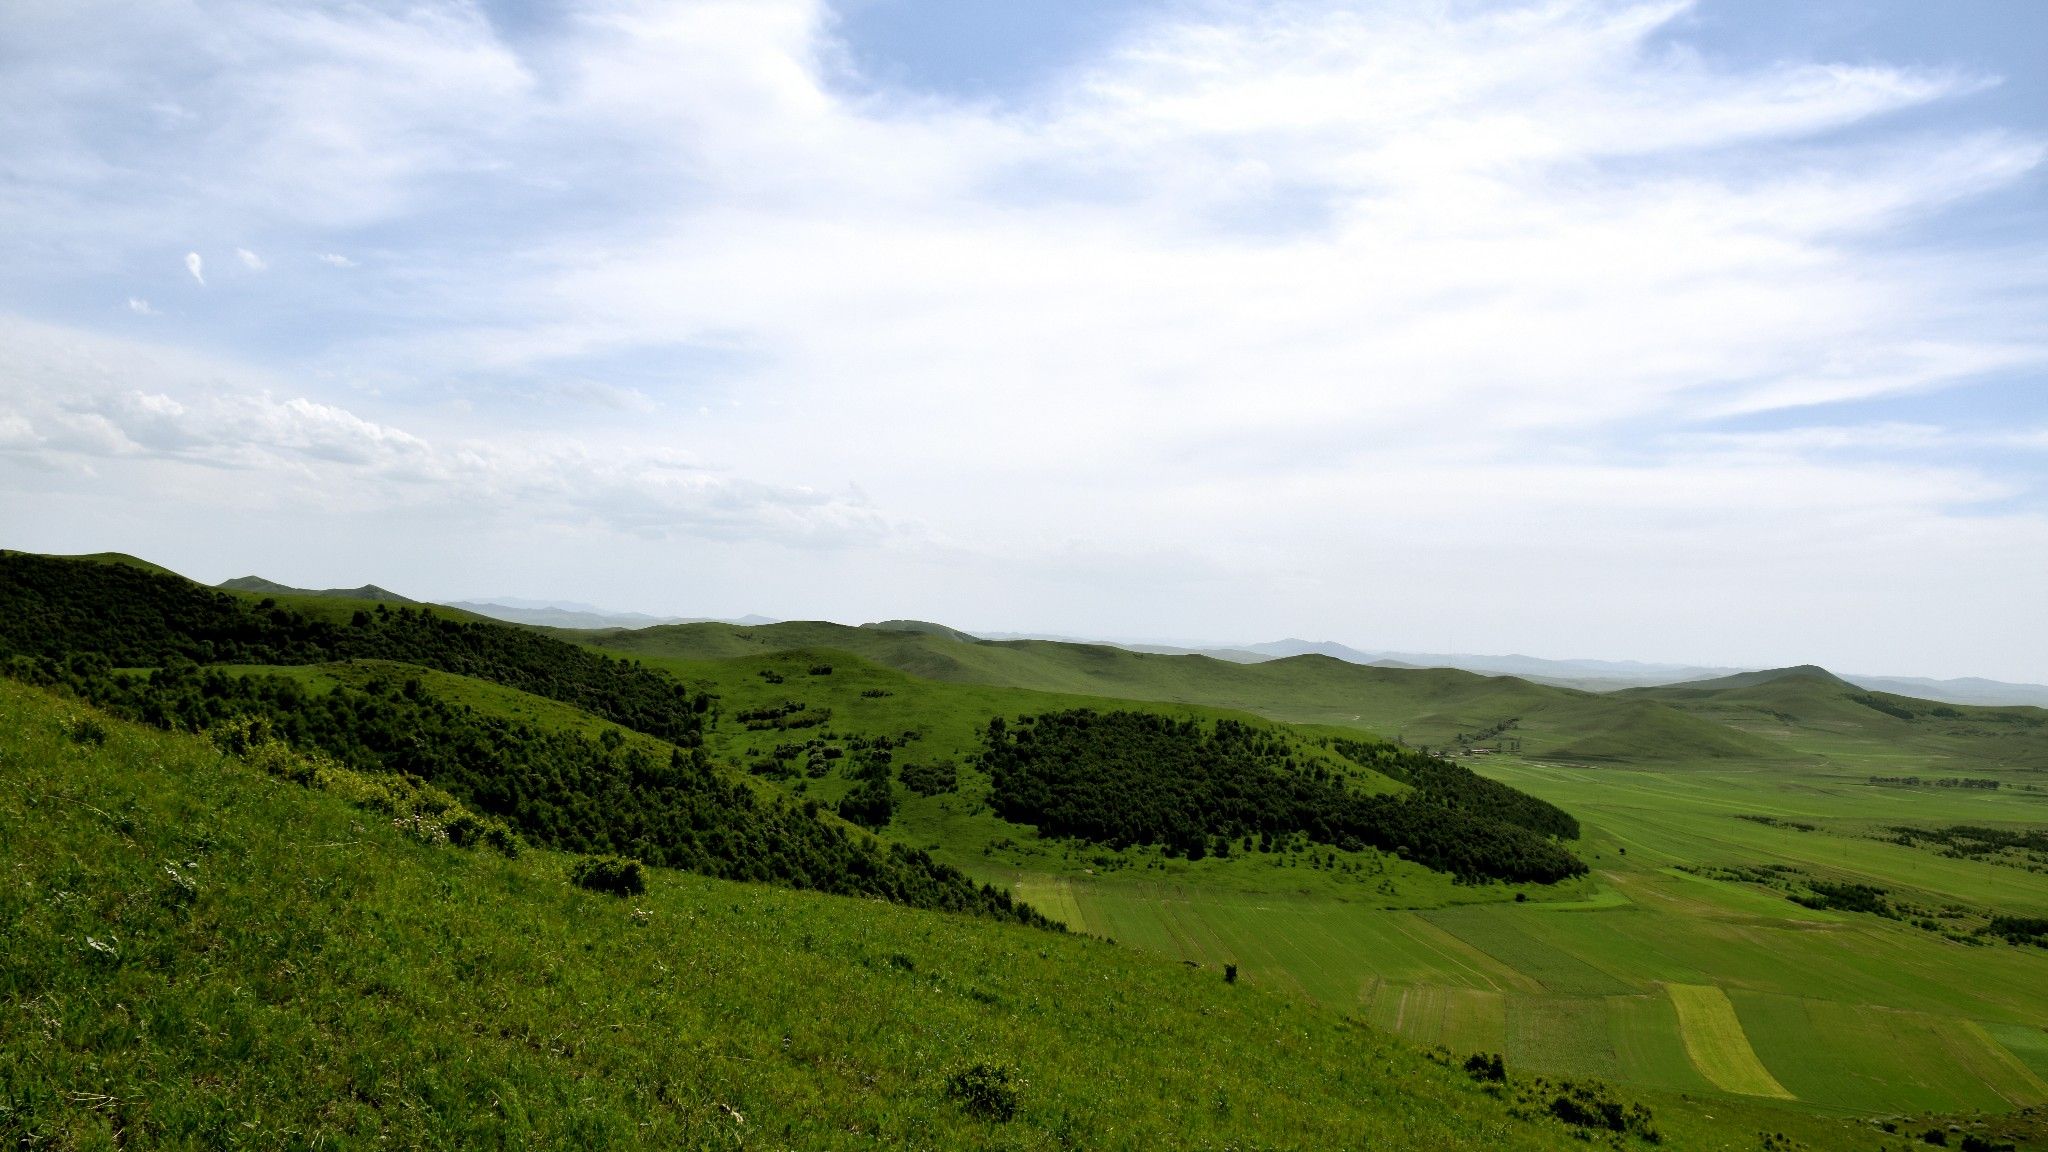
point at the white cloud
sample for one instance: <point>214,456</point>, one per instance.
<point>196,266</point>
<point>1318,301</point>
<point>140,307</point>
<point>251,260</point>
<point>68,399</point>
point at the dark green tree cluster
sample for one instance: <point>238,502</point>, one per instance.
<point>789,714</point>
<point>1974,841</point>
<point>1126,778</point>
<point>55,607</point>
<point>557,788</point>
<point>930,779</point>
<point>872,803</point>
<point>1840,897</point>
<point>2019,929</point>
<point>1460,789</point>
<point>1886,706</point>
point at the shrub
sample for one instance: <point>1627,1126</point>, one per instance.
<point>821,669</point>
<point>615,875</point>
<point>1487,1067</point>
<point>1230,973</point>
<point>87,730</point>
<point>984,1091</point>
<point>1589,1104</point>
<point>930,779</point>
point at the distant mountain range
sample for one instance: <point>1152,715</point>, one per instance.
<point>568,614</point>
<point>1585,675</point>
<point>511,609</point>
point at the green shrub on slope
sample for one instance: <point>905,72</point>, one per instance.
<point>132,618</point>
<point>558,788</point>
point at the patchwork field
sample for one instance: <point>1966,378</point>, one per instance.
<point>1661,972</point>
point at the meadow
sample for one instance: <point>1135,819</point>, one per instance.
<point>1755,940</point>
<point>1664,969</point>
<point>200,954</point>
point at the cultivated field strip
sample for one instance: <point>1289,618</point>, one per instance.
<point>1715,1042</point>
<point>1881,1059</point>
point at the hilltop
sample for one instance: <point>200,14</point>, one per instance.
<point>260,586</point>
<point>1431,707</point>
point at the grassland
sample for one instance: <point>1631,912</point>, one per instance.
<point>1678,968</point>
<point>200,955</point>
<point>1426,706</point>
<point>1582,979</point>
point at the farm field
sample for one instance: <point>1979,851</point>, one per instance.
<point>1655,971</point>
<point>1662,977</point>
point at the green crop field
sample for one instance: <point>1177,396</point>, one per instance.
<point>1583,978</point>
<point>1715,1042</point>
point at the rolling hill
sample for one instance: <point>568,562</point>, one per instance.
<point>1429,707</point>
<point>260,586</point>
<point>210,955</point>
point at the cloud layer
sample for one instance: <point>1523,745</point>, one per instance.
<point>1479,326</point>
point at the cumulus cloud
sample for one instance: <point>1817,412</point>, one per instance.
<point>195,265</point>
<point>69,399</point>
<point>1305,298</point>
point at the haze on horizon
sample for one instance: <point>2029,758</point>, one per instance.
<point>1708,333</point>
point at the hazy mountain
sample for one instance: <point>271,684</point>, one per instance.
<point>1963,690</point>
<point>569,614</point>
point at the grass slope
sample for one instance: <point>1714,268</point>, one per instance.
<point>262,587</point>
<point>198,955</point>
<point>1425,706</point>
<point>1813,712</point>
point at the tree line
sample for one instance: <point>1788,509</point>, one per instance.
<point>1454,786</point>
<point>557,788</point>
<point>1130,778</point>
<point>134,618</point>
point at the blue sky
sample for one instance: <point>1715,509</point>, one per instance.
<point>1625,328</point>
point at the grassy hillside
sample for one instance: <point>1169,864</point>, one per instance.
<point>1812,711</point>
<point>201,955</point>
<point>1430,707</point>
<point>261,587</point>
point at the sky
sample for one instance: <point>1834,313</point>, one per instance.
<point>1709,332</point>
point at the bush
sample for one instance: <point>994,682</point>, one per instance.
<point>615,875</point>
<point>1589,1104</point>
<point>1230,973</point>
<point>984,1091</point>
<point>87,730</point>
<point>930,779</point>
<point>1486,1067</point>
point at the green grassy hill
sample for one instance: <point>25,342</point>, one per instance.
<point>1424,706</point>
<point>1812,711</point>
<point>262,587</point>
<point>1703,964</point>
<point>202,955</point>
